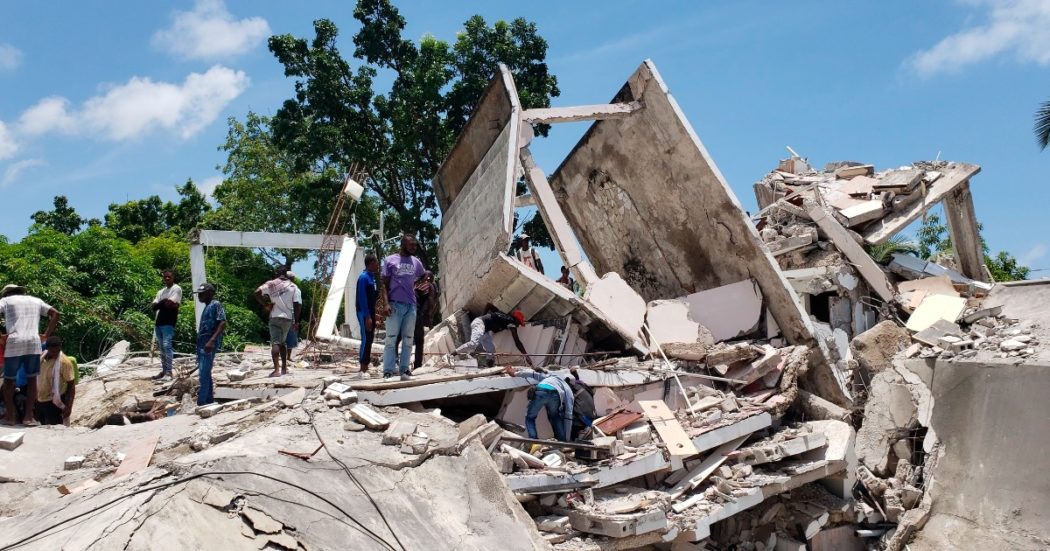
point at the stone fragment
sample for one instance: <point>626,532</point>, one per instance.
<point>283,541</point>
<point>889,411</point>
<point>293,398</point>
<point>369,417</point>
<point>262,522</point>
<point>74,462</point>
<point>415,444</point>
<point>398,432</point>
<point>874,349</point>
<point>209,410</point>
<point>236,375</point>
<point>559,524</point>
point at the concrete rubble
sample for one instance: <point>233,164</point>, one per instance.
<point>759,384</point>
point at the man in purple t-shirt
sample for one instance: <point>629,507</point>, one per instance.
<point>400,272</point>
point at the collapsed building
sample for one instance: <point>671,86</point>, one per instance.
<point>761,382</point>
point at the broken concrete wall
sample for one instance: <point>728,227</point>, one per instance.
<point>476,225</point>
<point>648,203</point>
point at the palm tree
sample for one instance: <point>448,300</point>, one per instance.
<point>883,252</point>
<point>1042,125</point>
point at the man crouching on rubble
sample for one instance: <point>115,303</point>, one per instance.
<point>56,385</point>
<point>482,328</point>
<point>209,340</point>
<point>553,393</point>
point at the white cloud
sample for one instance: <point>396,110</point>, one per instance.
<point>10,57</point>
<point>210,32</point>
<point>1029,258</point>
<point>1017,28</point>
<point>14,170</point>
<point>8,145</point>
<point>208,185</point>
<point>131,110</point>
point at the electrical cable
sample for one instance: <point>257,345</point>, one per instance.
<point>360,527</point>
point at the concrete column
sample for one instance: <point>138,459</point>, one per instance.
<point>197,276</point>
<point>962,226</point>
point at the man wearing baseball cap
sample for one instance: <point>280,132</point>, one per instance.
<point>22,314</point>
<point>482,328</point>
<point>209,340</point>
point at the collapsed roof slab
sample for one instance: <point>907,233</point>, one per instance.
<point>648,202</point>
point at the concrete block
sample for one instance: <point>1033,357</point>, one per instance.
<point>398,432</point>
<point>619,526</point>
<point>637,434</point>
<point>293,398</point>
<point>207,411</point>
<point>236,375</point>
<point>415,444</point>
<point>875,348</point>
<point>11,441</point>
<point>74,462</point>
<point>348,398</point>
<point>333,390</point>
<point>504,462</point>
<point>369,417</point>
<point>559,524</point>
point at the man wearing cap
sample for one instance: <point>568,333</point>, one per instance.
<point>166,309</point>
<point>284,301</point>
<point>21,314</point>
<point>482,328</point>
<point>400,273</point>
<point>527,255</point>
<point>57,385</point>
<point>209,340</point>
<point>552,393</point>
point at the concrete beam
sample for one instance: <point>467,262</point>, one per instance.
<point>856,254</point>
<point>962,226</point>
<point>339,285</point>
<point>560,230</point>
<point>580,113</point>
<point>267,240</point>
<point>952,177</point>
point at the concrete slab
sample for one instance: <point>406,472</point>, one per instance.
<point>727,311</point>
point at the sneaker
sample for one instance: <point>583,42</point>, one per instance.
<point>158,376</point>
<point>406,376</point>
<point>388,376</point>
<point>166,378</point>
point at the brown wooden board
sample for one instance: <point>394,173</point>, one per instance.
<point>138,457</point>
<point>678,443</point>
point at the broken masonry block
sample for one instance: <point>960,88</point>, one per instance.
<point>332,391</point>
<point>369,417</point>
<point>398,432</point>
<point>74,462</point>
<point>636,435</point>
<point>348,398</point>
<point>504,462</point>
<point>11,441</point>
<point>207,411</point>
<point>415,444</point>
<point>236,375</point>
<point>558,524</point>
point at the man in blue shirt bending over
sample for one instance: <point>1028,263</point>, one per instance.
<point>366,308</point>
<point>552,393</point>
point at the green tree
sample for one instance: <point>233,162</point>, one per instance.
<point>189,212</point>
<point>1042,125</point>
<point>934,239</point>
<point>137,219</point>
<point>339,117</point>
<point>63,218</point>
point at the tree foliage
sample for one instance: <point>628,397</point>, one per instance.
<point>1042,125</point>
<point>339,117</point>
<point>62,218</point>
<point>934,240</point>
<point>138,219</point>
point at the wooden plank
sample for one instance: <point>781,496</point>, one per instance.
<point>580,113</point>
<point>953,176</point>
<point>863,212</point>
<point>678,443</point>
<point>709,465</point>
<point>940,285</point>
<point>138,457</point>
<point>617,420</point>
<point>856,254</point>
<point>859,186</point>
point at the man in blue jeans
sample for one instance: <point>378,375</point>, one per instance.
<point>22,314</point>
<point>366,309</point>
<point>400,273</point>
<point>552,393</point>
<point>209,340</point>
<point>166,309</point>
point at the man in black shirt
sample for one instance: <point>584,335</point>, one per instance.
<point>482,328</point>
<point>166,308</point>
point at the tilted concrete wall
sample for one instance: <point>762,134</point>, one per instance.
<point>648,203</point>
<point>476,224</point>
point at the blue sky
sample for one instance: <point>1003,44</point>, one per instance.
<point>109,101</point>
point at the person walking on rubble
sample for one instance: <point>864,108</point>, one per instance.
<point>284,302</point>
<point>527,255</point>
<point>21,314</point>
<point>552,392</point>
<point>57,386</point>
<point>482,328</point>
<point>166,312</point>
<point>367,294</point>
<point>209,340</point>
<point>401,271</point>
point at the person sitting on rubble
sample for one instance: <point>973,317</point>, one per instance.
<point>57,386</point>
<point>166,312</point>
<point>209,340</point>
<point>527,255</point>
<point>284,302</point>
<point>401,271</point>
<point>552,392</point>
<point>21,313</point>
<point>482,328</point>
<point>367,295</point>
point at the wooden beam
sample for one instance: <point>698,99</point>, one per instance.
<point>856,254</point>
<point>678,444</point>
<point>267,240</point>
<point>554,218</point>
<point>954,176</point>
<point>580,113</point>
<point>966,238</point>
